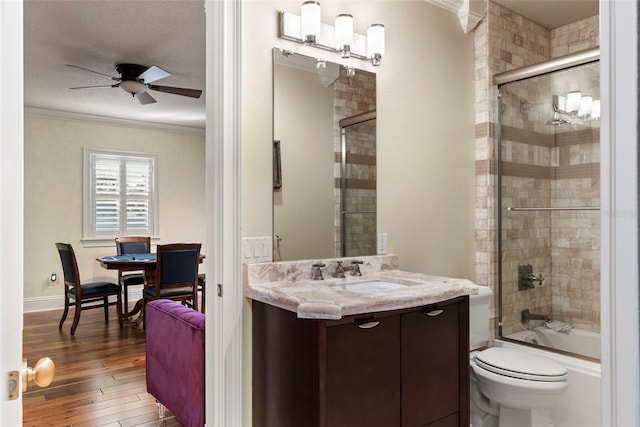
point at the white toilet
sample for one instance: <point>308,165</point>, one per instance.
<point>509,387</point>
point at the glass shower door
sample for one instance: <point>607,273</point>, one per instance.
<point>549,219</point>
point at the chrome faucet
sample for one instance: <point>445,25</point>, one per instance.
<point>354,268</point>
<point>316,272</point>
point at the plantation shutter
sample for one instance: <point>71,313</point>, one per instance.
<point>121,195</point>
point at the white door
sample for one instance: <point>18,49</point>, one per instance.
<point>11,195</point>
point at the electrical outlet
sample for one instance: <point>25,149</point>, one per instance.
<point>382,243</point>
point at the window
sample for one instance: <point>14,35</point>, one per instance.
<point>120,196</point>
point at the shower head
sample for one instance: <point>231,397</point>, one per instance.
<point>557,120</point>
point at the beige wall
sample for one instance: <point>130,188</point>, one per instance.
<point>425,127</point>
<point>53,191</point>
<point>304,206</point>
<point>425,101</point>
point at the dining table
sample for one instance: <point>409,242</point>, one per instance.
<point>145,262</point>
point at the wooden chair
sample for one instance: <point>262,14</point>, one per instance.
<point>131,245</point>
<point>176,274</point>
<point>84,296</point>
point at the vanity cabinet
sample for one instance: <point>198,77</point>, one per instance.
<point>404,368</point>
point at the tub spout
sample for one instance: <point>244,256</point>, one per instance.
<point>526,316</point>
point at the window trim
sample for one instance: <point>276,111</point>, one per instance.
<point>89,237</point>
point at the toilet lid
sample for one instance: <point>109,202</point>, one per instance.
<point>519,364</point>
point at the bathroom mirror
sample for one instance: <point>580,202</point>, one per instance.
<point>324,158</point>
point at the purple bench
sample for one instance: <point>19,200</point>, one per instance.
<point>175,359</point>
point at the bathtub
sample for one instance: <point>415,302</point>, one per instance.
<point>580,406</point>
<point>576,341</point>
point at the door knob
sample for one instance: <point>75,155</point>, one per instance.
<point>42,373</point>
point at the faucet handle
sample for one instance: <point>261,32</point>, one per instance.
<point>316,273</point>
<point>339,273</point>
<point>355,267</point>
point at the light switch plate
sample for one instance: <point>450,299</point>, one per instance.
<point>382,243</point>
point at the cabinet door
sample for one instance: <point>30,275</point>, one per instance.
<point>430,365</point>
<point>363,374</point>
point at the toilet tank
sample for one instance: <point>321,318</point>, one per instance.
<point>479,318</point>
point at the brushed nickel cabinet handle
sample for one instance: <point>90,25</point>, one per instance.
<point>434,313</point>
<point>367,325</point>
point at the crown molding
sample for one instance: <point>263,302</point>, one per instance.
<point>468,18</point>
<point>89,118</point>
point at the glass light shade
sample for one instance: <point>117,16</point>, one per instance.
<point>595,110</point>
<point>586,103</point>
<point>375,43</point>
<point>310,24</point>
<point>562,103</point>
<point>343,31</point>
<point>573,101</point>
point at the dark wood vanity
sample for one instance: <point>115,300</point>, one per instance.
<point>406,367</point>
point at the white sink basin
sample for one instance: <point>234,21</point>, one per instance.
<point>372,286</point>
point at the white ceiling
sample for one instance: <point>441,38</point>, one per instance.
<point>552,13</point>
<point>98,34</point>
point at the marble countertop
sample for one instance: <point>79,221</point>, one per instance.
<point>324,299</point>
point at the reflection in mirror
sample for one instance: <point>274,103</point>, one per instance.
<point>324,133</point>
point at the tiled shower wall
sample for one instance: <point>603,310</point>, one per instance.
<point>352,96</point>
<point>505,41</point>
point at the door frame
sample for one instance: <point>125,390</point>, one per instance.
<point>11,201</point>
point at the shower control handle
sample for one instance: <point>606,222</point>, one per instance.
<point>526,278</point>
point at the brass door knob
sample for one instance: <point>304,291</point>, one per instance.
<point>42,373</point>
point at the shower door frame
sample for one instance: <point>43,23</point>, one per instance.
<point>530,71</point>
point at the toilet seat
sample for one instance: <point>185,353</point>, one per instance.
<point>518,364</point>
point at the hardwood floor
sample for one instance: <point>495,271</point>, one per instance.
<point>100,373</point>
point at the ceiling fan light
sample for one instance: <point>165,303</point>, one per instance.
<point>132,87</point>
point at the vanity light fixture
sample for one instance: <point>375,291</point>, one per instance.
<point>577,105</point>
<point>309,30</point>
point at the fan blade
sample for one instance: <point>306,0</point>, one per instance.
<point>91,71</point>
<point>145,98</point>
<point>193,93</point>
<point>91,87</point>
<point>152,74</point>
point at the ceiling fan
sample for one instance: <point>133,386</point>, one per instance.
<point>136,79</point>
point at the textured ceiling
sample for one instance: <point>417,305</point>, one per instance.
<point>98,34</point>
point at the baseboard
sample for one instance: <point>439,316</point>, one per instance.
<point>56,302</point>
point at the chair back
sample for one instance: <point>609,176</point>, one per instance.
<point>133,245</point>
<point>177,265</point>
<point>69,266</point>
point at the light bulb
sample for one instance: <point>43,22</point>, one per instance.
<point>344,34</point>
<point>310,24</point>
<point>573,101</point>
<point>375,43</point>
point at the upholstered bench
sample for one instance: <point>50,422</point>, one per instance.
<point>175,359</point>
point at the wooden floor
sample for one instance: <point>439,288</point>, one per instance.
<point>100,373</point>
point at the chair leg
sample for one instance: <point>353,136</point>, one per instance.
<point>65,312</point>
<point>126,298</point>
<point>119,309</point>
<point>160,409</point>
<point>105,302</point>
<point>76,317</point>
